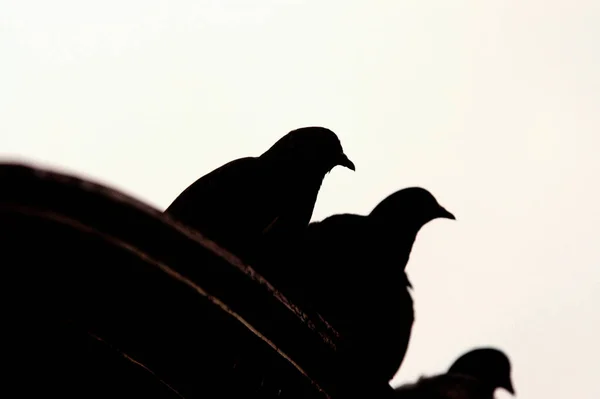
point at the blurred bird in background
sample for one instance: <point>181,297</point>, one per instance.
<point>474,375</point>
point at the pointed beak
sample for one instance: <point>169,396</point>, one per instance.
<point>509,387</point>
<point>443,213</point>
<point>344,161</point>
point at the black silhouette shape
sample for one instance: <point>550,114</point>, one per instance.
<point>251,204</point>
<point>116,300</point>
<point>475,375</point>
<point>352,274</point>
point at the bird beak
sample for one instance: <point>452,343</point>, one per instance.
<point>344,161</point>
<point>509,387</point>
<point>443,213</point>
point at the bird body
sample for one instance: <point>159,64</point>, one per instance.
<point>352,274</point>
<point>362,292</point>
<point>251,204</point>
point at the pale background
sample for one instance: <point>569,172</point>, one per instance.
<point>491,105</point>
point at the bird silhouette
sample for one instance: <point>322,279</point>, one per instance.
<point>352,274</point>
<point>254,203</point>
<point>474,375</point>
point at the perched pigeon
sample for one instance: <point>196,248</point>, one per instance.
<point>352,275</point>
<point>475,375</point>
<point>253,202</point>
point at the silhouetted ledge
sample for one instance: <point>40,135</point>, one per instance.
<point>109,297</point>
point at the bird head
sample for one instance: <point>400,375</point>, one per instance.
<point>488,365</point>
<point>313,148</point>
<point>410,208</point>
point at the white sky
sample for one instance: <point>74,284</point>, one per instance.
<point>492,106</point>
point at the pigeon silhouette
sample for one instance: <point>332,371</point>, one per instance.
<point>475,375</point>
<point>352,275</point>
<point>252,204</point>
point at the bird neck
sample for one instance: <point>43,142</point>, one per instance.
<point>294,165</point>
<point>300,182</point>
<point>395,244</point>
<point>398,229</point>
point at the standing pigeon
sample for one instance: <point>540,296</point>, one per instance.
<point>475,375</point>
<point>253,202</point>
<point>352,275</point>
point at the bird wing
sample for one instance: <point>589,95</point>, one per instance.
<point>226,204</point>
<point>226,183</point>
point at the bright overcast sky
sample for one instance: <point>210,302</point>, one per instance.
<point>494,106</point>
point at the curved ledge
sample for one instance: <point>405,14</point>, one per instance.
<point>168,300</point>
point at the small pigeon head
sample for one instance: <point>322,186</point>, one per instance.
<point>317,148</point>
<point>488,365</point>
<point>412,206</point>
